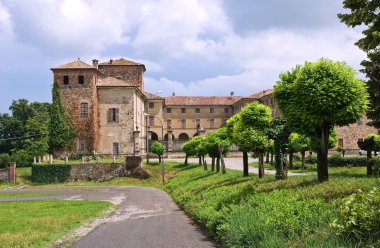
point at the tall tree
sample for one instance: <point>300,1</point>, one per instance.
<point>217,146</point>
<point>316,97</point>
<point>366,13</point>
<point>61,129</point>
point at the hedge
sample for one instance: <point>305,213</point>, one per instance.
<point>52,173</point>
<point>376,166</point>
<point>339,161</point>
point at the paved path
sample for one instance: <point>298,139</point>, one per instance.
<point>146,217</point>
<point>236,164</point>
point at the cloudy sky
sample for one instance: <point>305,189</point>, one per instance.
<point>192,47</point>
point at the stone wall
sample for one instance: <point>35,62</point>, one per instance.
<point>132,74</point>
<point>91,172</point>
<point>4,175</point>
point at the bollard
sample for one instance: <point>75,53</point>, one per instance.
<point>66,160</point>
<point>82,160</point>
<point>34,160</point>
<point>50,159</point>
<point>97,159</point>
<point>113,160</point>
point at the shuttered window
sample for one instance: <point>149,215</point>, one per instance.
<point>84,110</point>
<point>113,115</point>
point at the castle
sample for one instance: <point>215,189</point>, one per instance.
<point>114,115</point>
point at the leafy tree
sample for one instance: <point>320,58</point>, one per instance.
<point>300,143</point>
<point>195,147</point>
<point>366,15</point>
<point>189,148</point>
<point>316,97</point>
<point>158,149</point>
<point>62,132</point>
<point>217,146</point>
<point>370,144</point>
<point>201,150</point>
<point>249,133</point>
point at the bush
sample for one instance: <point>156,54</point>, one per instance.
<point>376,166</point>
<point>52,173</point>
<point>79,155</point>
<point>4,160</point>
<point>22,158</point>
<point>359,216</point>
<point>339,161</point>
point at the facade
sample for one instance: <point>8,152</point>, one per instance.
<point>113,113</point>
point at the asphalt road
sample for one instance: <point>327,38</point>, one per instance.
<point>146,217</point>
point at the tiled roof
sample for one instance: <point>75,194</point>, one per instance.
<point>120,62</point>
<point>150,96</point>
<point>112,81</point>
<point>201,100</point>
<point>76,64</point>
<point>261,94</point>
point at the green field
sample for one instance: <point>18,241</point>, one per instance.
<point>39,223</point>
<point>22,195</point>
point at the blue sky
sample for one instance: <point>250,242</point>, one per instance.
<point>204,47</point>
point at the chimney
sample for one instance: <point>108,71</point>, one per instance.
<point>232,93</point>
<point>111,60</point>
<point>173,94</point>
<point>95,63</point>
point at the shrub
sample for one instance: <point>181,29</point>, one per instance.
<point>359,216</point>
<point>339,161</point>
<point>376,166</point>
<point>52,173</point>
<point>4,160</point>
<point>22,158</point>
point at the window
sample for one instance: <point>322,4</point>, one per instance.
<point>169,123</point>
<point>113,115</point>
<point>151,120</point>
<point>183,123</point>
<point>84,110</point>
<point>168,110</point>
<point>82,144</point>
<point>212,110</point>
<point>151,105</point>
<point>340,143</point>
<point>115,148</point>
<point>212,123</point>
<point>226,110</point>
<point>80,79</point>
<point>183,110</point>
<point>197,110</point>
<point>198,123</point>
<point>65,79</point>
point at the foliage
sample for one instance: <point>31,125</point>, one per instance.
<point>280,134</point>
<point>339,161</point>
<point>365,14</point>
<point>157,148</point>
<point>52,173</point>
<point>62,132</point>
<point>217,139</point>
<point>376,166</point>
<point>4,160</point>
<point>299,142</point>
<point>305,95</point>
<point>359,216</point>
<point>189,147</point>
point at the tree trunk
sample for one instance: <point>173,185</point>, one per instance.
<point>303,160</point>
<point>245,164</point>
<point>204,163</point>
<point>223,165</point>
<point>200,160</point>
<point>271,159</point>
<point>322,154</point>
<point>212,164</point>
<point>291,160</point>
<point>186,159</point>
<point>267,158</point>
<point>369,163</point>
<point>217,164</point>
<point>159,159</point>
<point>261,166</point>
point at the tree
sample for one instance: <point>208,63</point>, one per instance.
<point>366,13</point>
<point>201,151</point>
<point>217,146</point>
<point>62,132</point>
<point>370,144</point>
<point>316,97</point>
<point>249,133</point>
<point>189,148</point>
<point>300,143</point>
<point>158,149</point>
<point>195,147</point>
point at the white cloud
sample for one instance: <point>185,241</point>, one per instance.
<point>6,28</point>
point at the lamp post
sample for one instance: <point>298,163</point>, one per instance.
<point>162,138</point>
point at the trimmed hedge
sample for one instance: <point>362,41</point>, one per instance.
<point>376,166</point>
<point>339,161</point>
<point>52,173</point>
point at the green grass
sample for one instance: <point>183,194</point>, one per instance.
<point>39,223</point>
<point>23,195</point>
<point>252,212</point>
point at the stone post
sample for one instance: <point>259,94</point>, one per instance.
<point>34,160</point>
<point>82,160</point>
<point>12,172</point>
<point>97,159</point>
<point>50,159</point>
<point>39,159</point>
<point>170,140</point>
<point>66,160</point>
<point>113,159</point>
<point>136,138</point>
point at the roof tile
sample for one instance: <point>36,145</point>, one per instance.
<point>201,100</point>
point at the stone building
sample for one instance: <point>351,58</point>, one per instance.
<point>113,113</point>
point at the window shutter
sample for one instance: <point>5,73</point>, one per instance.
<point>110,115</point>
<point>116,115</point>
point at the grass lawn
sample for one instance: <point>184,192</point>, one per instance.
<point>38,223</point>
<point>23,195</point>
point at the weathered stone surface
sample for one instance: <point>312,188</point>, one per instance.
<point>91,172</point>
<point>4,175</point>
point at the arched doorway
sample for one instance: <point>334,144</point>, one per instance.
<point>166,137</point>
<point>154,136</point>
<point>183,136</point>
<point>195,135</point>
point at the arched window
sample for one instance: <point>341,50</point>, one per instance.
<point>183,136</point>
<point>166,137</point>
<point>154,136</point>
